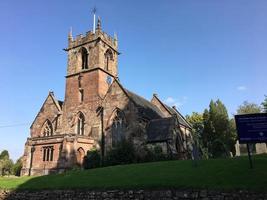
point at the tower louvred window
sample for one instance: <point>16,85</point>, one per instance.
<point>84,55</point>
<point>108,59</point>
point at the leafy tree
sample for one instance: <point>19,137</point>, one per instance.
<point>264,104</point>
<point>5,166</point>
<point>208,130</point>
<point>4,154</point>
<point>232,136</point>
<point>248,108</point>
<point>197,122</point>
<point>217,134</point>
<point>16,168</point>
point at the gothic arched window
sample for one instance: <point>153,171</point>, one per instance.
<point>108,58</point>
<point>84,56</point>
<point>118,127</point>
<point>80,124</point>
<point>47,129</point>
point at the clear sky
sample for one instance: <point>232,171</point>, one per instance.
<point>186,51</point>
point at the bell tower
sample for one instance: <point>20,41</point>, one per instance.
<point>94,50</point>
<point>91,66</point>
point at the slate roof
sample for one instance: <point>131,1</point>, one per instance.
<point>159,130</point>
<point>181,119</point>
<point>145,107</point>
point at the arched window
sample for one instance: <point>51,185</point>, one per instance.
<point>118,127</point>
<point>47,129</point>
<point>108,58</point>
<point>80,124</point>
<point>84,56</point>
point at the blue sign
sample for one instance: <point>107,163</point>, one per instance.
<point>251,128</point>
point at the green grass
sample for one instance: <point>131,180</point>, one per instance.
<point>215,174</point>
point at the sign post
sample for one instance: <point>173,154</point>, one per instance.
<point>251,128</point>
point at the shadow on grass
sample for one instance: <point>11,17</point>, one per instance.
<point>214,174</point>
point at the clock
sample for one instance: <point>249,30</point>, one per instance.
<point>109,80</point>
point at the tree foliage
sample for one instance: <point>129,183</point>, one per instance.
<point>122,153</point>
<point>16,168</point>
<point>218,136</point>
<point>92,159</point>
<point>248,108</point>
<point>7,167</point>
<point>4,154</point>
<point>197,123</point>
<point>264,104</point>
<point>196,120</point>
<point>6,163</point>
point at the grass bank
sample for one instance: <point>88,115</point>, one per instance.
<point>214,174</point>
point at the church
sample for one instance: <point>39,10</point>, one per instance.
<point>98,112</point>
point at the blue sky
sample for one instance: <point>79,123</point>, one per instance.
<point>188,52</point>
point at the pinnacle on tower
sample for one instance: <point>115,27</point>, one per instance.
<point>115,36</point>
<point>115,39</point>
<point>98,24</point>
<point>70,35</point>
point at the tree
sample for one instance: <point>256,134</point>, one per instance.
<point>5,163</point>
<point>264,104</point>
<point>208,129</point>
<point>5,166</point>
<point>248,108</point>
<point>4,154</point>
<point>16,168</point>
<point>217,135</point>
<point>196,120</point>
<point>232,136</point>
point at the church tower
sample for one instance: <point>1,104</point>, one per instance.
<point>92,64</point>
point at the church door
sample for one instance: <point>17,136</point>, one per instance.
<point>80,156</point>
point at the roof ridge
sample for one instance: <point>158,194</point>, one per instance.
<point>164,105</point>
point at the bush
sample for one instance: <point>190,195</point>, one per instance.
<point>16,168</point>
<point>158,153</point>
<point>123,153</point>
<point>219,149</point>
<point>92,159</point>
<point>144,154</point>
<point>154,153</point>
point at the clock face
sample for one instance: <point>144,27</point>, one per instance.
<point>109,80</point>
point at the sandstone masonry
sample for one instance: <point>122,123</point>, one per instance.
<point>185,194</point>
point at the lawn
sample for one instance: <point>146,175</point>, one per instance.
<point>214,173</point>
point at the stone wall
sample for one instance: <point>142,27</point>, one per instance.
<point>133,194</point>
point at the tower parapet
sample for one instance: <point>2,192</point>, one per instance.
<point>91,37</point>
<point>95,49</point>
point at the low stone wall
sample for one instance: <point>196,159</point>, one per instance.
<point>132,194</point>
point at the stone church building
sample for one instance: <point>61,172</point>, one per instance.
<point>98,112</point>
